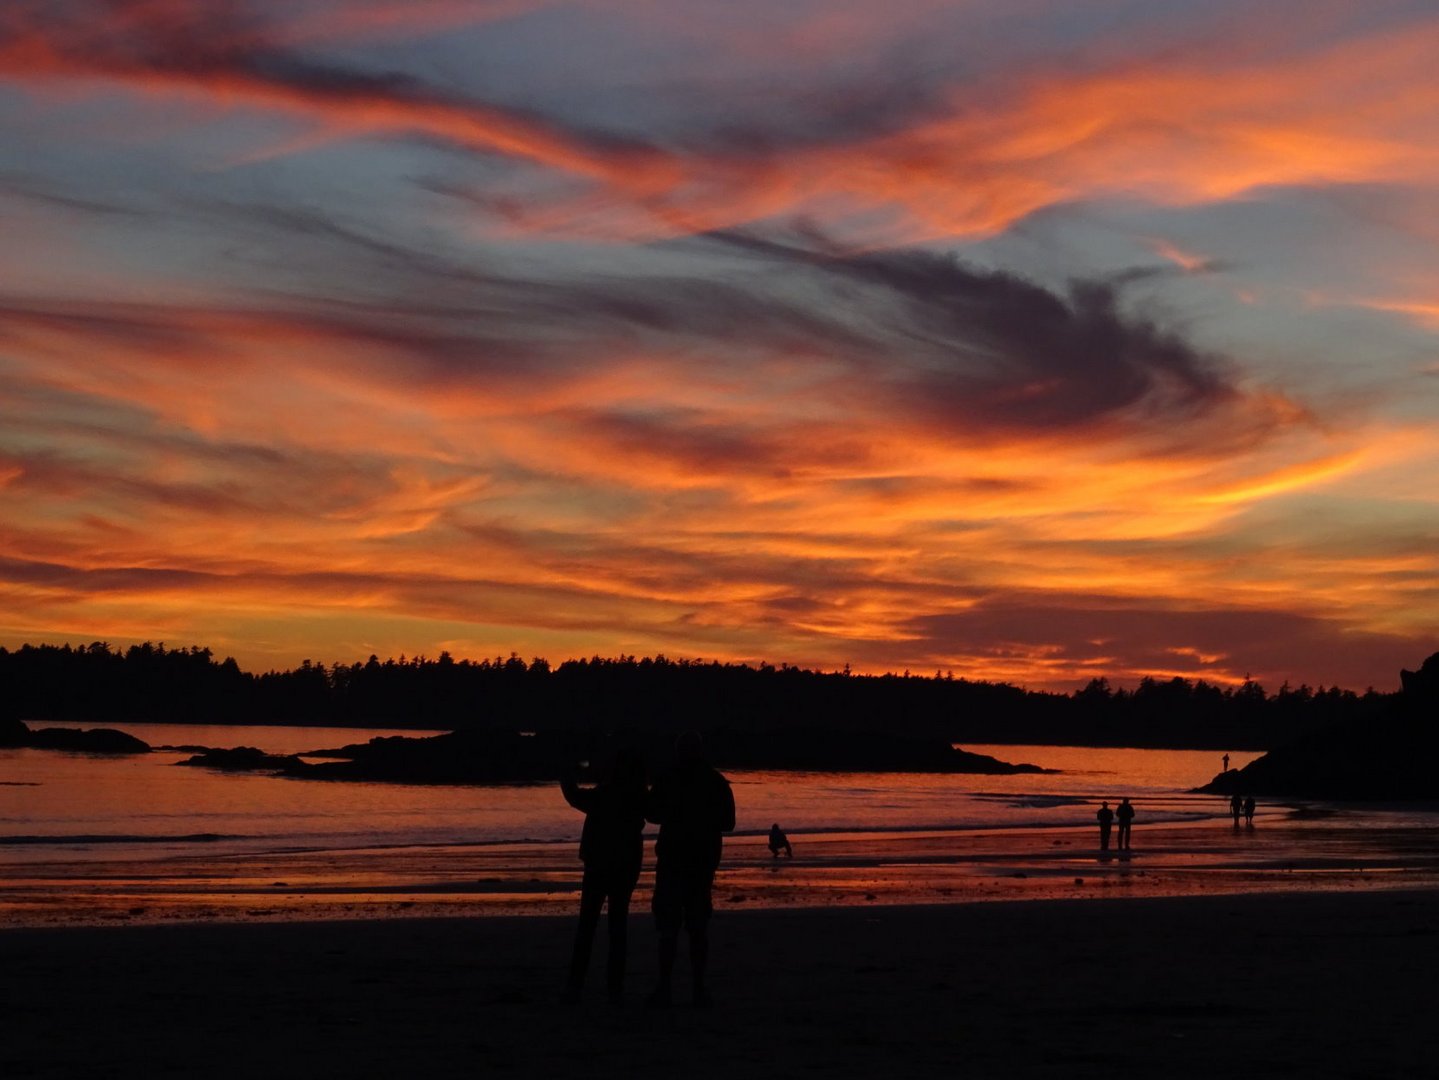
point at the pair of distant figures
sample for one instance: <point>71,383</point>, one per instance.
<point>1245,806</point>
<point>1124,815</point>
<point>694,807</point>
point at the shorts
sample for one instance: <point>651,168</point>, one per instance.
<point>682,897</point>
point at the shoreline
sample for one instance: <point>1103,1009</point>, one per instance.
<point>1314,985</point>
<point>867,870</point>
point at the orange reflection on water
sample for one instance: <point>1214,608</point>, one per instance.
<point>828,869</point>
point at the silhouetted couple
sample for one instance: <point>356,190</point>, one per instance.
<point>693,806</point>
<point>1107,817</point>
<point>1245,806</point>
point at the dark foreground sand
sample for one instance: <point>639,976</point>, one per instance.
<point>1313,985</point>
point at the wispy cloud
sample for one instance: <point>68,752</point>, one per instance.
<point>687,342</point>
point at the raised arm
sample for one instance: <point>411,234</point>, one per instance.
<point>575,795</point>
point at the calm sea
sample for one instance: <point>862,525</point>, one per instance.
<point>76,806</point>
<point>86,839</point>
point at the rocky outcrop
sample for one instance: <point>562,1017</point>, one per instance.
<point>1394,758</point>
<point>76,740</point>
<point>1393,761</point>
<point>462,757</point>
<point>515,757</point>
<point>241,759</point>
<point>818,750</point>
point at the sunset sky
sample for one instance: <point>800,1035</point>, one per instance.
<point>1029,340</point>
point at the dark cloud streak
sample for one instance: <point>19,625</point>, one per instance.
<point>957,344</point>
<point>226,48</point>
<point>912,331</point>
<point>988,347</point>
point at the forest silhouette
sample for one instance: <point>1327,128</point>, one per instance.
<point>98,683</point>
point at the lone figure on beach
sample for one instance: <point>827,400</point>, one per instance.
<point>694,807</point>
<point>1249,810</point>
<point>612,848</point>
<point>778,842</point>
<point>1106,819</point>
<point>1125,813</point>
<point>1226,762</point>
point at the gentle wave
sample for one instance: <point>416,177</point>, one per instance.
<point>114,838</point>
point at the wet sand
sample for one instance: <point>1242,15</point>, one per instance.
<point>1325,984</point>
<point>1290,851</point>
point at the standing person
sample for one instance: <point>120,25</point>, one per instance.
<point>694,807</point>
<point>1226,762</point>
<point>1249,810</point>
<point>1125,813</point>
<point>1236,807</point>
<point>778,842</point>
<point>612,848</point>
<point>1106,819</point>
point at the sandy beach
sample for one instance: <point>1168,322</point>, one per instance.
<point>340,942</point>
<point>1319,984</point>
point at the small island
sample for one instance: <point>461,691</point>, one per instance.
<point>16,733</point>
<point>490,757</point>
<point>1390,758</point>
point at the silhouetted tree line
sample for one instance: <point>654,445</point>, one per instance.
<point>99,684</point>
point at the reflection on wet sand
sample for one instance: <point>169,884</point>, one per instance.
<point>1287,850</point>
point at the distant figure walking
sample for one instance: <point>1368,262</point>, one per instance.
<point>694,807</point>
<point>1106,819</point>
<point>612,848</point>
<point>1249,810</point>
<point>778,842</point>
<point>1226,762</point>
<point>1125,814</point>
<point>1236,807</point>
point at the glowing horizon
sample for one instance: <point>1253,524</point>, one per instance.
<point>1029,344</point>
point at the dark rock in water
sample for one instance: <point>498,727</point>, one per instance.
<point>241,759</point>
<point>1391,758</point>
<point>461,757</point>
<point>376,745</point>
<point>485,757</point>
<point>1343,764</point>
<point>818,750</point>
<point>88,740</point>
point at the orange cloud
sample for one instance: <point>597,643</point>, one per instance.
<point>1181,128</point>
<point>266,464</point>
<point>823,449</point>
<point>163,49</point>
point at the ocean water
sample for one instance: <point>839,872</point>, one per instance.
<point>86,838</point>
<point>110,807</point>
